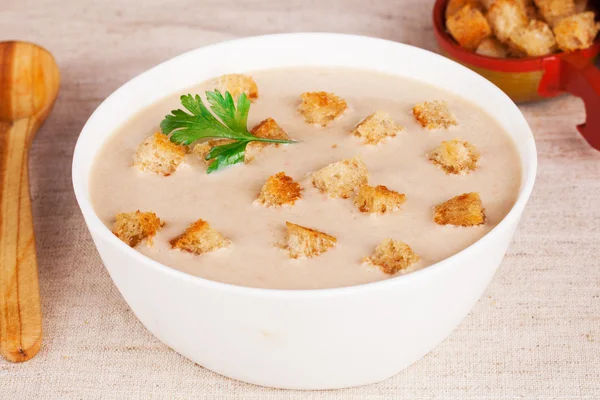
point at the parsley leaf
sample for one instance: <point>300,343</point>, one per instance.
<point>226,154</point>
<point>199,123</point>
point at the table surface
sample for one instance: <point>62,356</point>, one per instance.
<point>534,334</point>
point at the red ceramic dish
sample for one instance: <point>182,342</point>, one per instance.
<point>535,78</point>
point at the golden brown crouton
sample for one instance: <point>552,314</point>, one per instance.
<point>376,127</point>
<point>306,242</point>
<point>491,47</point>
<point>321,107</point>
<point>468,27</point>
<point>581,6</point>
<point>525,3</point>
<point>463,210</point>
<point>159,155</point>
<point>434,115</point>
<point>199,238</point>
<point>279,190</point>
<point>533,13</point>
<point>236,84</point>
<point>267,129</point>
<point>454,6</point>
<point>554,10</point>
<point>455,157</point>
<point>133,227</point>
<point>342,178</point>
<point>505,16</point>
<point>576,32</point>
<point>378,199</point>
<point>534,40</point>
<point>392,256</point>
<point>487,3</point>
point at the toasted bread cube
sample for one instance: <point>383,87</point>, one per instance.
<point>576,32</point>
<point>468,27</point>
<point>533,13</point>
<point>455,157</point>
<point>434,115</point>
<point>306,242</point>
<point>455,6</point>
<point>378,199</point>
<point>342,178</point>
<point>526,3</point>
<point>199,238</point>
<point>522,3</point>
<point>376,127</point>
<point>534,40</point>
<point>133,227</point>
<point>392,256</point>
<point>581,6</point>
<point>202,149</point>
<point>491,47</point>
<point>463,210</point>
<point>321,108</point>
<point>267,129</point>
<point>554,10</point>
<point>159,155</point>
<point>236,84</point>
<point>505,16</point>
<point>279,190</point>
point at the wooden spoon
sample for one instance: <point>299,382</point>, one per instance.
<point>29,81</point>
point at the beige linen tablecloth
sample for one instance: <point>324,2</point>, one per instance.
<point>534,334</point>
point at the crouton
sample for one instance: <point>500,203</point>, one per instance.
<point>534,40</point>
<point>199,238</point>
<point>487,3</point>
<point>525,3</point>
<point>279,190</point>
<point>376,127</point>
<point>576,32</point>
<point>468,27</point>
<point>133,227</point>
<point>306,242</point>
<point>434,115</point>
<point>321,108</point>
<point>463,210</point>
<point>392,256</point>
<point>454,6</point>
<point>455,157</point>
<point>159,155</point>
<point>533,13</point>
<point>505,16</point>
<point>378,199</point>
<point>202,149</point>
<point>491,47</point>
<point>267,129</point>
<point>342,178</point>
<point>581,6</point>
<point>236,84</point>
<point>554,10</point>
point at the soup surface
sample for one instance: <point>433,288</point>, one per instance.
<point>226,198</point>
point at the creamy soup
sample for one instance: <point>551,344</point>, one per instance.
<point>225,198</point>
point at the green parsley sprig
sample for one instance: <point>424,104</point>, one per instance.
<point>186,128</point>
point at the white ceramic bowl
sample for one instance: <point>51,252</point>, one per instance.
<point>307,339</point>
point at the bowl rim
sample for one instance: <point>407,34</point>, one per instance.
<point>525,64</point>
<point>95,224</point>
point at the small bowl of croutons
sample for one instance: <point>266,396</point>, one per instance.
<point>531,49</point>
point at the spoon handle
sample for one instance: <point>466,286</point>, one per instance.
<point>20,312</point>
